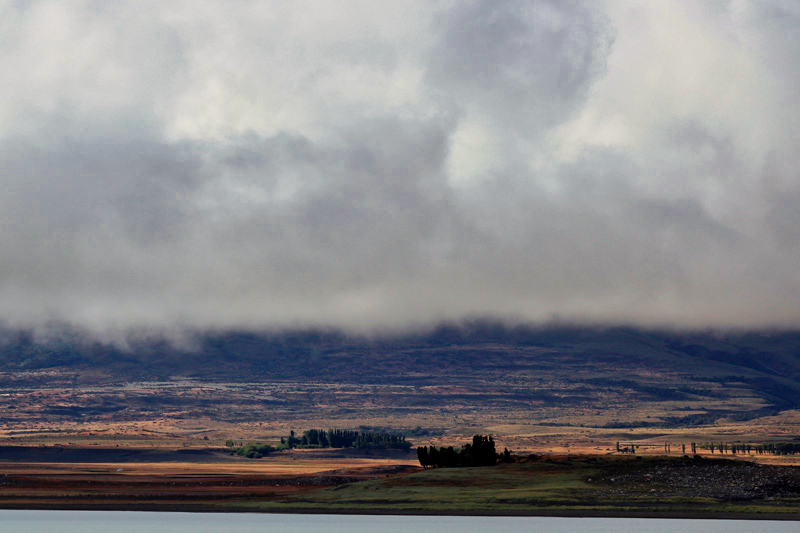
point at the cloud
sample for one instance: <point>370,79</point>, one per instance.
<point>258,165</point>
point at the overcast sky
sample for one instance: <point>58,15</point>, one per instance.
<point>360,164</point>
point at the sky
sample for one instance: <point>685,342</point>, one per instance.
<point>374,166</point>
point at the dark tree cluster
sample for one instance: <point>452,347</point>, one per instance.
<point>343,438</point>
<point>481,452</point>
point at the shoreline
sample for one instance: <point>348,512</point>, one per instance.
<point>555,513</point>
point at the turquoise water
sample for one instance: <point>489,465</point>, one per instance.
<point>135,522</point>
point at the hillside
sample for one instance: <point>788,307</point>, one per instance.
<point>451,381</point>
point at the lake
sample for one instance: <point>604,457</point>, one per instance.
<point>134,522</point>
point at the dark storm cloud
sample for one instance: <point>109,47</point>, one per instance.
<point>181,168</point>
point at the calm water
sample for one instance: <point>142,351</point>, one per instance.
<point>134,522</point>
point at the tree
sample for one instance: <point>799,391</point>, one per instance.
<point>433,456</point>
<point>506,455</point>
<point>422,455</point>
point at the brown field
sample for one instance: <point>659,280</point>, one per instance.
<point>167,479</point>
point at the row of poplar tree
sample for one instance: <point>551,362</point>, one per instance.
<point>775,448</point>
<point>344,438</point>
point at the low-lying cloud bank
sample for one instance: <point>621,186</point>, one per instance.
<point>370,167</point>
